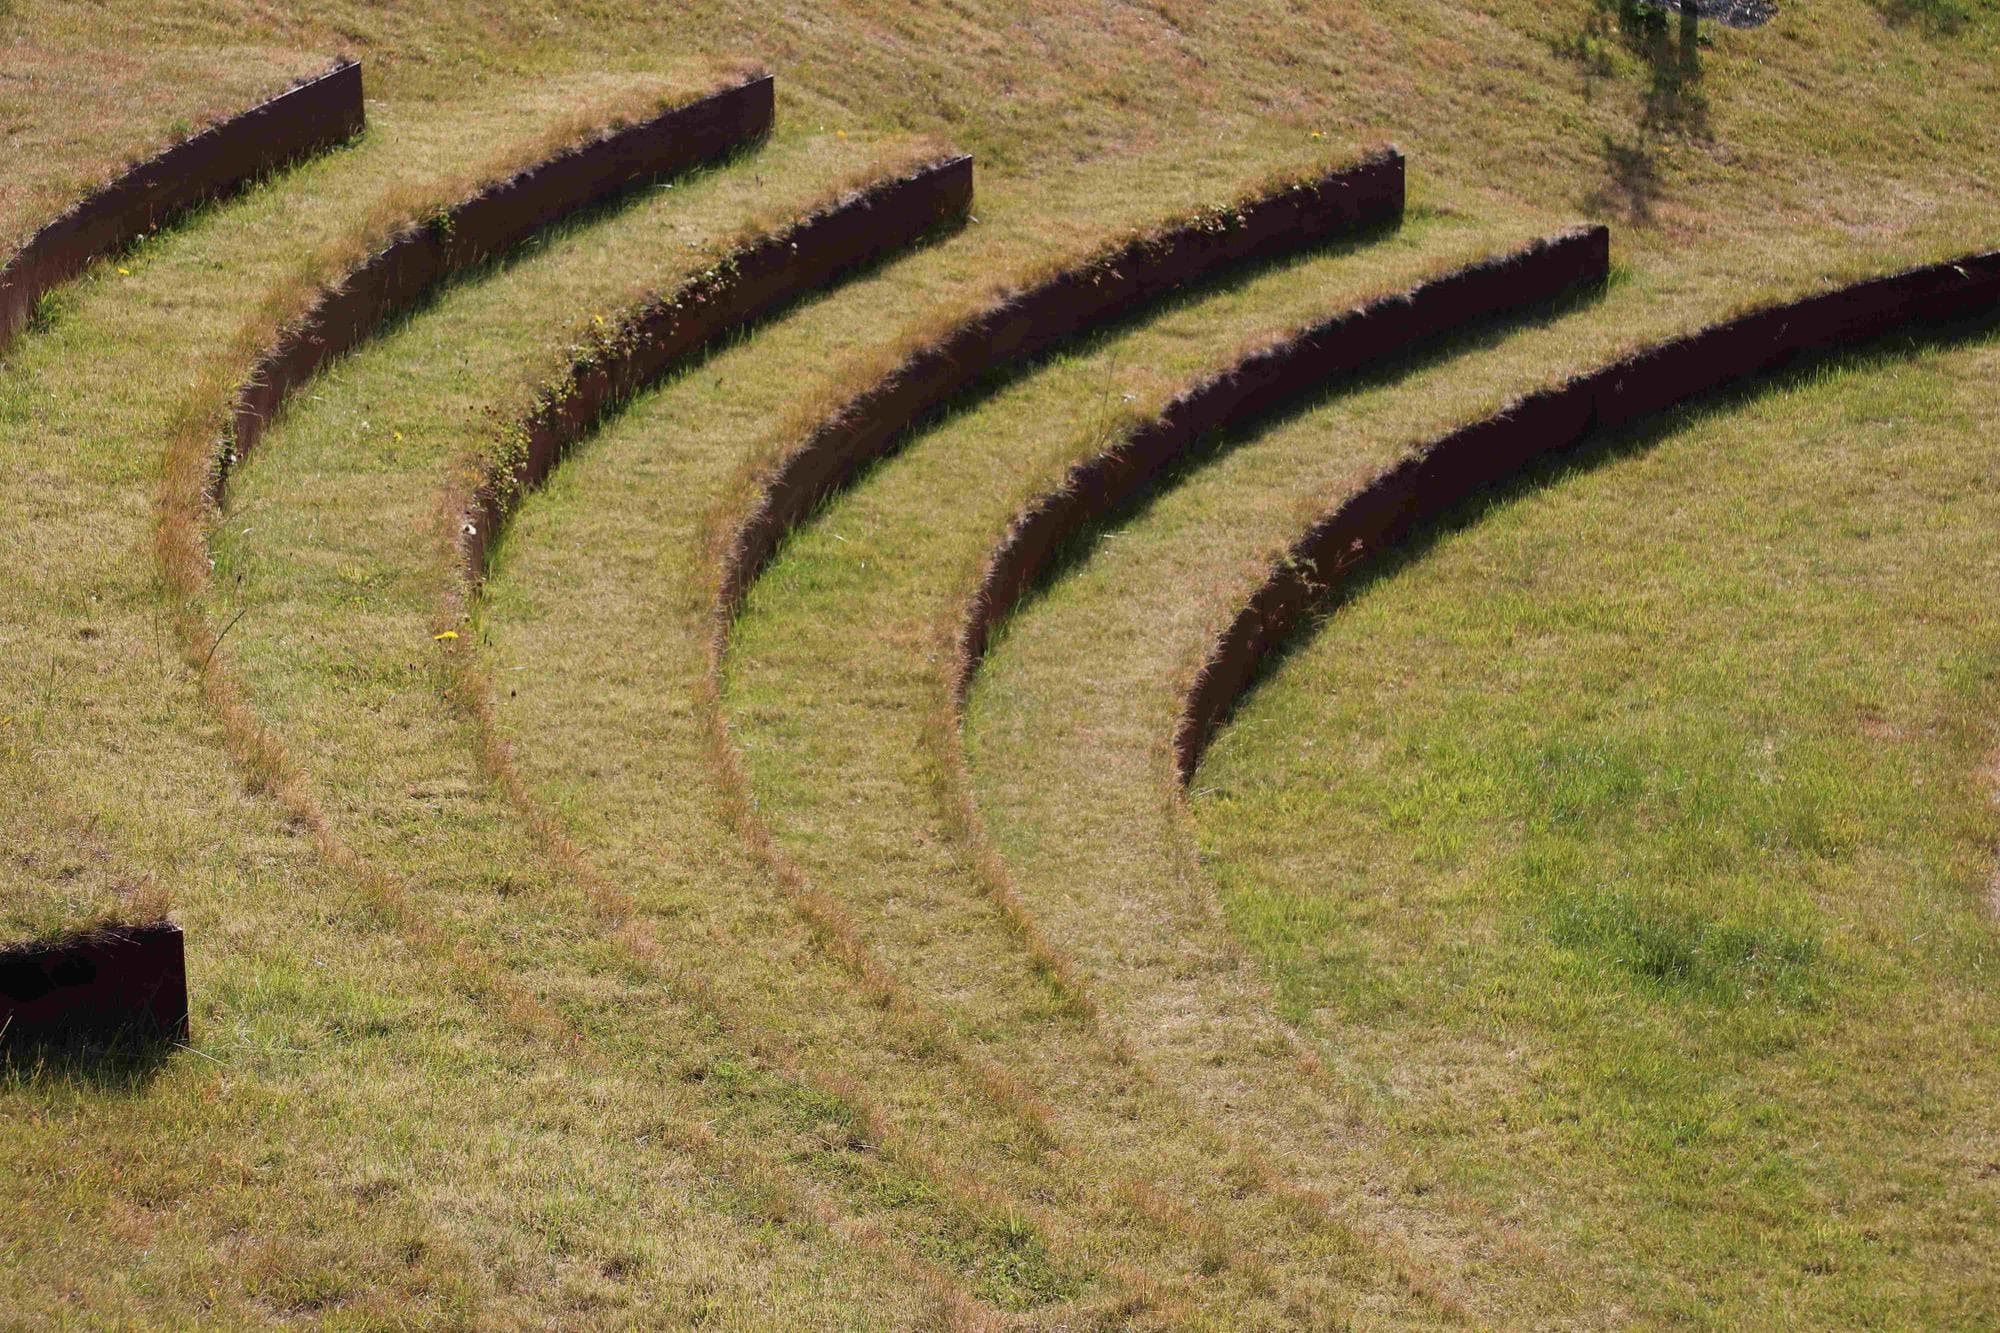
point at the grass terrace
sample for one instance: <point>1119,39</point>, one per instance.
<point>1587,922</point>
<point>1630,850</point>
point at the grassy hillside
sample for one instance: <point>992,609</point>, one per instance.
<point>1588,924</point>
<point>1639,835</point>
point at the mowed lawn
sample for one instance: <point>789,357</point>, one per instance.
<point>1591,922</point>
<point>1630,846</point>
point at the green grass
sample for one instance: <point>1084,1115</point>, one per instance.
<point>1506,973</point>
<point>339,1108</point>
<point>331,539</point>
<point>619,532</point>
<point>1677,793</point>
<point>74,114</point>
<point>839,735</point>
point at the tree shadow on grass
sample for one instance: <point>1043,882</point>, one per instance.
<point>1668,49</point>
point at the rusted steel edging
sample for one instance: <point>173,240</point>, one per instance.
<point>1030,322</point>
<point>1431,481</point>
<point>488,224</point>
<point>131,979</point>
<point>769,272</point>
<point>1266,380</point>
<point>309,118</point>
<point>102,985</point>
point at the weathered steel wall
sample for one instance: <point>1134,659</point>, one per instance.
<point>1310,360</point>
<point>1053,311</point>
<point>488,224</point>
<point>1431,481</point>
<point>767,273</point>
<point>307,119</point>
<point>103,985</point>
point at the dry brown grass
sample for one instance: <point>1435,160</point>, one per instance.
<point>773,943</point>
<point>61,145</point>
<point>472,690</point>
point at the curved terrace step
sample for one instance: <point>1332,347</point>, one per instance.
<point>832,696</point>
<point>857,227</point>
<point>314,115</point>
<point>1445,473</point>
<point>1654,785</point>
<point>331,1061</point>
<point>347,538</point>
<point>1072,770</point>
<point>1279,374</point>
<point>615,751</point>
<point>1043,311</point>
<point>454,235</point>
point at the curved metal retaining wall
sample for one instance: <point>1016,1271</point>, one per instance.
<point>770,272</point>
<point>490,223</point>
<point>1031,322</point>
<point>307,119</point>
<point>393,279</point>
<point>1266,380</point>
<point>102,985</point>
<point>1428,483</point>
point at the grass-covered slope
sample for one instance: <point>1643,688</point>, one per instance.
<point>1632,846</point>
<point>836,679</point>
<point>355,1132</point>
<point>538,981</point>
<point>337,547</point>
<point>616,744</point>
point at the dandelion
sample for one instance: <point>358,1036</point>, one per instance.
<point>1317,136</point>
<point>124,272</point>
<point>445,637</point>
<point>840,134</point>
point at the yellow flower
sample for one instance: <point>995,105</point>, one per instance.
<point>124,272</point>
<point>448,634</point>
<point>842,134</point>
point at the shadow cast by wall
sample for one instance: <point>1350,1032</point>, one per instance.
<point>1609,447</point>
<point>1938,300</point>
